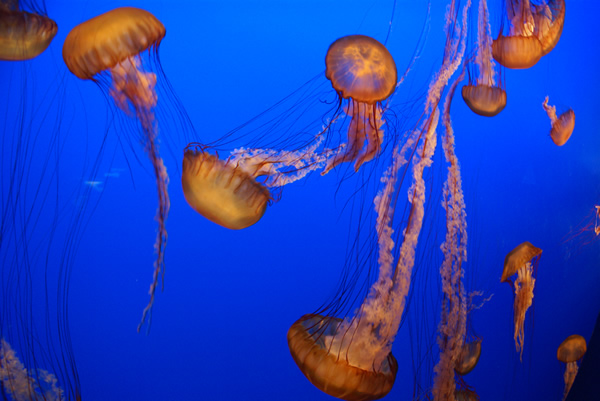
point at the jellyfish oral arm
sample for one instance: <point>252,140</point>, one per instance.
<point>281,167</point>
<point>550,110</point>
<point>134,88</point>
<point>569,376</point>
<point>524,285</point>
<point>483,58</point>
<point>520,18</point>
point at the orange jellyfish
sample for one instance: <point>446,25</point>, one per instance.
<point>521,261</point>
<point>521,48</point>
<point>570,351</point>
<point>469,356</point>
<point>363,71</point>
<point>350,358</point>
<point>235,192</point>
<point>484,96</point>
<point>562,127</point>
<point>549,20</point>
<point>221,192</point>
<point>23,35</point>
<point>109,47</point>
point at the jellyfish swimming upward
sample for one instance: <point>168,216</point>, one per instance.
<point>108,48</point>
<point>23,35</point>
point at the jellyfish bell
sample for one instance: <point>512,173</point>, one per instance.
<point>517,52</point>
<point>102,42</point>
<point>518,257</point>
<point>221,191</point>
<point>337,374</point>
<point>571,350</point>
<point>363,71</point>
<point>23,35</point>
<point>484,100</point>
<point>361,68</point>
<point>519,49</point>
<point>562,126</point>
<point>469,356</point>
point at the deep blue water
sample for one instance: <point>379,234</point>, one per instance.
<point>219,327</point>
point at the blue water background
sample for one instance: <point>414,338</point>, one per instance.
<point>219,327</point>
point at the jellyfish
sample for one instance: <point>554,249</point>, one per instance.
<point>521,48</point>
<point>549,20</point>
<point>469,356</point>
<point>23,35</point>
<point>350,358</point>
<point>363,71</point>
<point>571,350</point>
<point>221,192</point>
<point>562,127</point>
<point>484,96</point>
<point>521,261</point>
<point>235,192</point>
<point>109,47</point>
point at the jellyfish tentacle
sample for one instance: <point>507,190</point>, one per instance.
<point>111,43</point>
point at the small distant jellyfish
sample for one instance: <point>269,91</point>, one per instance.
<point>549,20</point>
<point>483,95</point>
<point>562,127</point>
<point>521,261</point>
<point>469,356</point>
<point>521,48</point>
<point>23,35</point>
<point>107,49</point>
<point>363,71</point>
<point>571,350</point>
